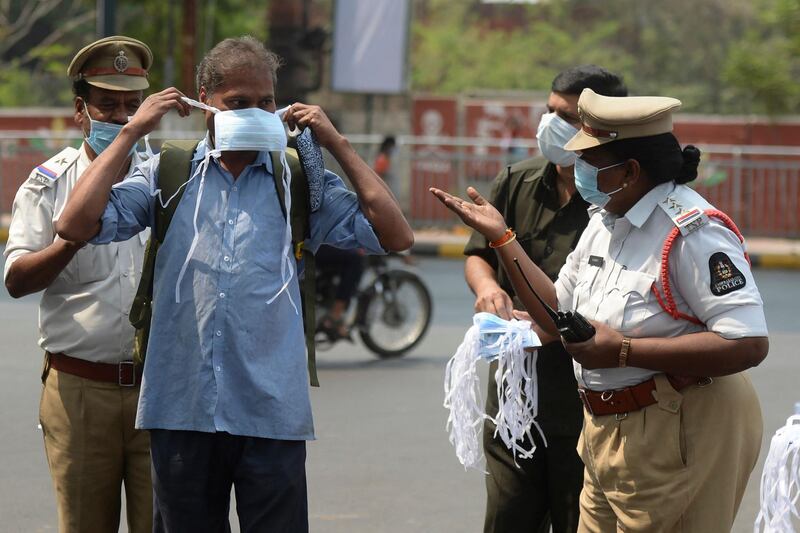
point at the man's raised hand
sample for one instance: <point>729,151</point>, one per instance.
<point>154,107</point>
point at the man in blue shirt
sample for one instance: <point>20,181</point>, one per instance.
<point>225,392</point>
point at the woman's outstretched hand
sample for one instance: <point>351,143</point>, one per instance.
<point>477,214</point>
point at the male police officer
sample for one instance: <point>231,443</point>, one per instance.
<point>91,386</point>
<point>538,199</point>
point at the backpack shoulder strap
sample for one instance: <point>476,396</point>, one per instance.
<point>299,217</point>
<point>300,193</point>
<point>173,171</point>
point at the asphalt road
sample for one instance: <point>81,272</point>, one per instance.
<point>382,462</point>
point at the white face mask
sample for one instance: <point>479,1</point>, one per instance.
<point>250,129</point>
<point>551,135</point>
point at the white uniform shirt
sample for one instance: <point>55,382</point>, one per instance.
<point>84,312</point>
<point>609,276</point>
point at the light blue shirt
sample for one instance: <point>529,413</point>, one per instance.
<point>223,359</point>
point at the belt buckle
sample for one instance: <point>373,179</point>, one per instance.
<point>585,400</point>
<point>121,367</point>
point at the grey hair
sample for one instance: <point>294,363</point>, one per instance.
<point>235,53</point>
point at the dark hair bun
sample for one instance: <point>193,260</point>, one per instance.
<point>691,158</point>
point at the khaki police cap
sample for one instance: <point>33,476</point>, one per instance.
<point>605,119</point>
<point>117,63</point>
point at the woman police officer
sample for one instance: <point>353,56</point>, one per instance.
<point>672,425</point>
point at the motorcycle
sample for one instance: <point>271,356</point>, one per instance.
<point>392,311</point>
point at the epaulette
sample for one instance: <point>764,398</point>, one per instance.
<point>685,219</point>
<point>48,172</point>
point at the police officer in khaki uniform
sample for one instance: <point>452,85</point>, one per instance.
<point>538,198</point>
<point>672,425</point>
<point>91,386</point>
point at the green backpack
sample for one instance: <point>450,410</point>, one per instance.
<point>174,167</point>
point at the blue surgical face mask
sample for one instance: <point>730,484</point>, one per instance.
<point>492,330</point>
<point>586,183</point>
<point>551,135</point>
<point>101,134</point>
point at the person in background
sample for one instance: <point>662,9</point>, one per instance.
<point>90,383</point>
<point>383,161</point>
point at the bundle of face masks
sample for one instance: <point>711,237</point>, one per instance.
<point>780,481</point>
<point>491,338</point>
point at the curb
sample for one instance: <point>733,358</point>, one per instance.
<point>456,251</point>
<point>776,261</point>
<point>432,249</point>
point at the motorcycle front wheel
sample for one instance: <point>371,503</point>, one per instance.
<point>394,313</point>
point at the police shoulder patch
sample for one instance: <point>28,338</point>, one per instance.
<point>48,172</point>
<point>725,277</point>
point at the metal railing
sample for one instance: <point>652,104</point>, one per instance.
<point>758,186</point>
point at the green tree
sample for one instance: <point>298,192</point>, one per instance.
<point>763,69</point>
<point>37,40</point>
<point>717,56</point>
<point>453,52</point>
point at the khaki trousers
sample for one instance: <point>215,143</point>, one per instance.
<point>92,449</point>
<point>680,465</point>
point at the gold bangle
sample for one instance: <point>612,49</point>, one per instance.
<point>624,351</point>
<point>508,236</point>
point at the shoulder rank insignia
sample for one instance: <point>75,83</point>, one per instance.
<point>686,220</point>
<point>725,277</point>
<point>52,169</point>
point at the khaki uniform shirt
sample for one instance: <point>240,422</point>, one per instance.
<point>84,312</point>
<point>609,278</point>
<point>547,232</point>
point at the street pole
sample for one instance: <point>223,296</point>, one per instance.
<point>106,14</point>
<point>169,59</point>
<point>188,40</point>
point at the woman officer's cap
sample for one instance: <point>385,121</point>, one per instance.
<point>605,119</point>
<point>116,63</point>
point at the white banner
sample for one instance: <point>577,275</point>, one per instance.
<point>370,40</point>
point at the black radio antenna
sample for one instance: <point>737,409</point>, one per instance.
<point>547,308</point>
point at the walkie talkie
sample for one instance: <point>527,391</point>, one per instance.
<point>571,324</point>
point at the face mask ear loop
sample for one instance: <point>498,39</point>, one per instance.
<point>91,122</point>
<point>202,167</point>
<point>204,164</point>
<point>780,480</point>
<point>287,261</point>
<point>517,392</point>
<point>462,397</point>
<point>147,149</point>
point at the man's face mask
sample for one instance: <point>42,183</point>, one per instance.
<point>552,134</point>
<point>101,134</point>
<point>586,183</point>
<point>250,129</point>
